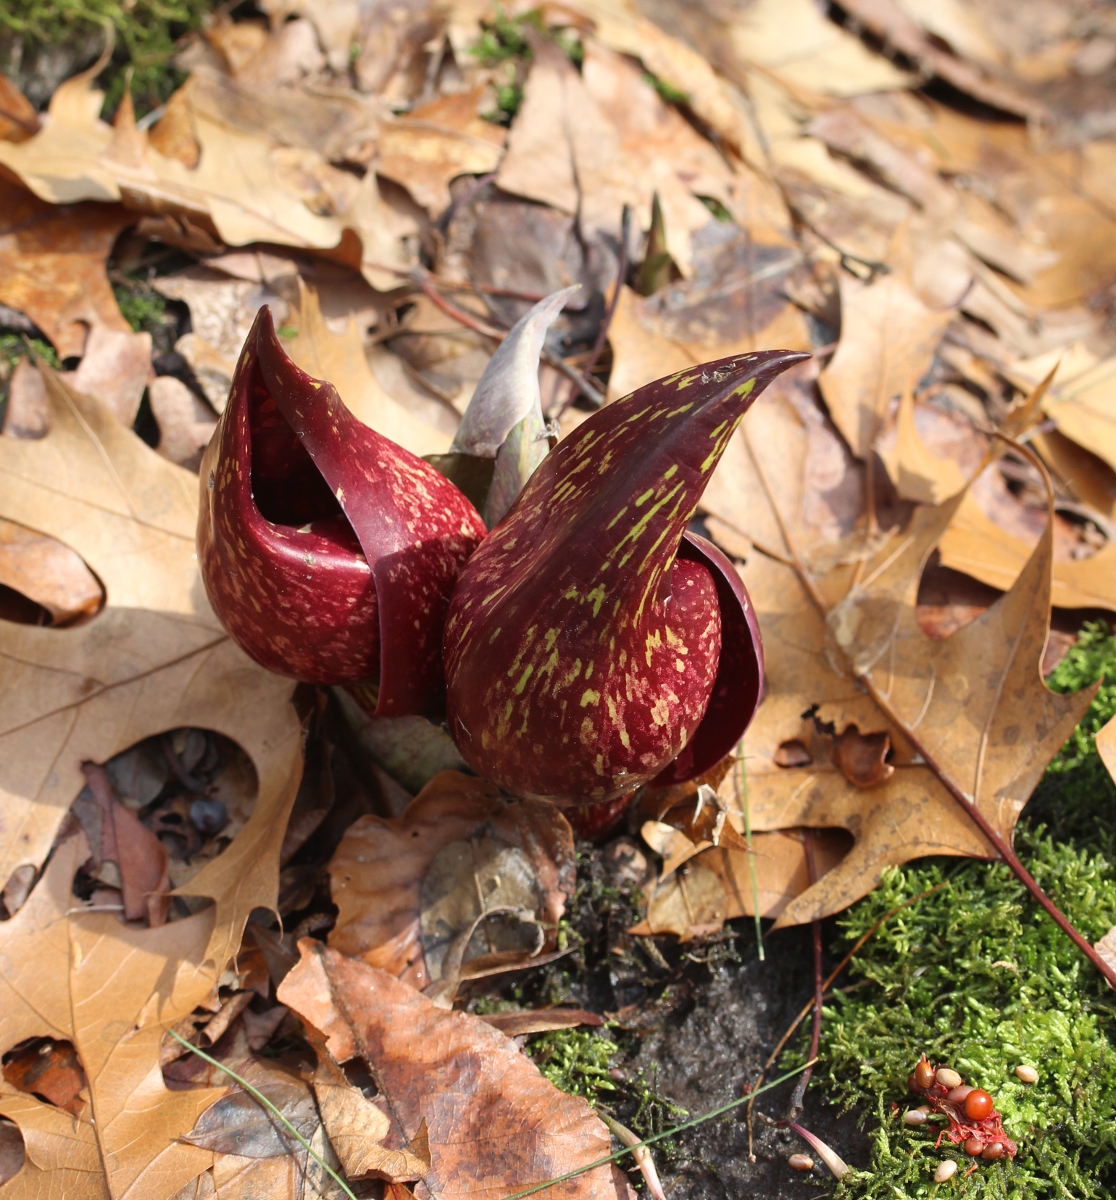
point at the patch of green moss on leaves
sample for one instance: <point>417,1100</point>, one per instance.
<point>145,33</point>
<point>577,1061</point>
<point>978,977</point>
<point>506,40</point>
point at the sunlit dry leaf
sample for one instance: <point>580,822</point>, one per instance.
<point>992,734</point>
<point>52,263</point>
<point>48,572</point>
<point>495,1124</point>
<point>407,888</point>
<point>918,472</point>
<point>18,119</point>
<point>114,368</point>
<point>435,143</point>
<point>888,336</point>
<point>155,658</point>
<point>61,1155</point>
<point>340,359</point>
<point>517,1024</point>
<point>186,423</point>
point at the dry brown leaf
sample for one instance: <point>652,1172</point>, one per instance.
<point>27,414</point>
<point>918,471</point>
<point>61,1154</point>
<point>1084,473</point>
<point>185,422</point>
<point>866,662</point>
<point>1106,746</point>
<point>888,337</point>
<point>48,572</point>
<point>115,367</point>
<point>340,358</point>
<point>542,1020</point>
<point>18,119</point>
<point>112,990</point>
<point>154,658</point>
<point>716,886</point>
<point>236,186</point>
<point>495,1124</point>
<point>981,547</point>
<point>406,889</point>
<point>435,143</point>
<point>52,263</point>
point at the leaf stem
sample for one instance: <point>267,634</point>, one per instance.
<point>262,1100</point>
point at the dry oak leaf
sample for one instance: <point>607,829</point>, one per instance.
<point>61,1157</point>
<point>340,358</point>
<point>154,658</point>
<point>407,888</point>
<point>236,188</point>
<point>52,263</point>
<point>112,990</point>
<point>495,1125</point>
<point>435,143</point>
<point>846,648</point>
<point>888,338</point>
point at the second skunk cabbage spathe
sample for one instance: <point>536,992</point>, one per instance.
<point>592,645</point>
<point>328,551</point>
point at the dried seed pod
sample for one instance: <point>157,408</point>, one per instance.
<point>914,1116</point>
<point>801,1162</point>
<point>1027,1074</point>
<point>924,1074</point>
<point>947,1077</point>
<point>973,1147</point>
<point>957,1095</point>
<point>993,1152</point>
<point>978,1104</point>
<point>946,1170</point>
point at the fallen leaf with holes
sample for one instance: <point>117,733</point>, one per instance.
<point>59,1155</point>
<point>409,890</point>
<point>494,1124</point>
<point>52,264</point>
<point>845,648</point>
<point>110,990</point>
<point>154,658</point>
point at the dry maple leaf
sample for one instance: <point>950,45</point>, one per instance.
<point>971,724</point>
<point>495,1125</point>
<point>154,658</point>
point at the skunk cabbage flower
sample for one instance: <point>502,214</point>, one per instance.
<point>328,552</point>
<point>592,644</point>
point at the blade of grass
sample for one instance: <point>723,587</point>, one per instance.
<point>658,1137</point>
<point>262,1100</point>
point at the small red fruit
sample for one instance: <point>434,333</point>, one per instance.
<point>924,1074</point>
<point>978,1105</point>
<point>973,1147</point>
<point>993,1152</point>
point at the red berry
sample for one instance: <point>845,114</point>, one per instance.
<point>993,1152</point>
<point>924,1074</point>
<point>973,1147</point>
<point>978,1105</point>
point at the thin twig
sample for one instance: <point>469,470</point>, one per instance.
<point>261,1099</point>
<point>478,325</point>
<point>819,988</point>
<point>602,334</point>
<point>755,1091</point>
<point>751,854</point>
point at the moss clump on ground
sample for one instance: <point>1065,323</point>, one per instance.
<point>979,977</point>
<point>145,33</point>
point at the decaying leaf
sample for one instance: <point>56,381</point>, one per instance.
<point>412,892</point>
<point>495,1125</point>
<point>48,572</point>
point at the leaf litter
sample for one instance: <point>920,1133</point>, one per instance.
<point>406,191</point>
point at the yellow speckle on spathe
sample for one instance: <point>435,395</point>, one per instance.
<point>679,665</point>
<point>641,500</point>
<point>551,638</point>
<point>586,731</point>
<point>745,389</point>
<point>589,696</point>
<point>654,641</point>
<point>670,471</point>
<point>495,635</point>
<point>597,595</point>
<point>598,765</point>
<point>528,671</point>
<point>340,495</point>
<point>660,711</point>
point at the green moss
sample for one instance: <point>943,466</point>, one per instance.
<point>577,1061</point>
<point>13,347</point>
<point>506,40</point>
<point>145,32</point>
<point>979,977</point>
<point>668,91</point>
